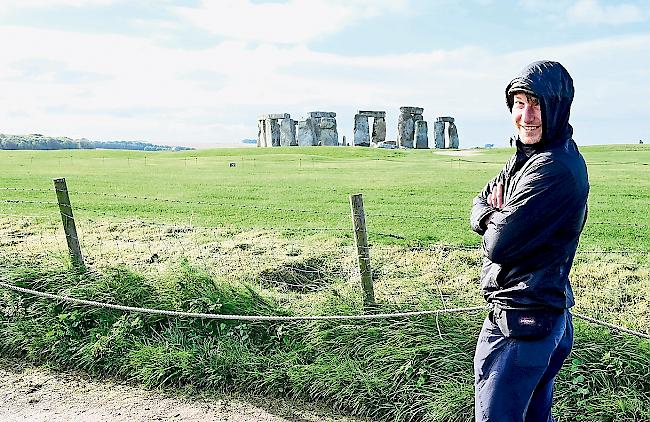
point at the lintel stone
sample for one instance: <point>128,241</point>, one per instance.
<point>321,114</point>
<point>411,110</point>
<point>274,116</point>
<point>445,119</point>
<point>371,113</point>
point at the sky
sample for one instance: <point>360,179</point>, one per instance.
<point>199,72</point>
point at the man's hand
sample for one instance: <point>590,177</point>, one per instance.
<point>495,198</point>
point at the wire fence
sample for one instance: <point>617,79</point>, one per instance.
<point>115,239</point>
<point>237,206</point>
<point>186,223</point>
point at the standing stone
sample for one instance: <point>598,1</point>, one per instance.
<point>405,130</point>
<point>275,132</point>
<point>361,131</point>
<point>344,141</point>
<point>314,123</point>
<point>453,136</point>
<point>421,135</point>
<point>287,132</point>
<point>329,136</point>
<point>315,118</point>
<point>439,134</point>
<point>379,130</point>
<point>268,138</point>
<point>294,123</point>
<point>305,133</point>
<point>260,134</point>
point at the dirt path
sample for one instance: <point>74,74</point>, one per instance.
<point>40,395</point>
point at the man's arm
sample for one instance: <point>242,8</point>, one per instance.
<point>487,202</point>
<point>486,207</point>
<point>538,206</point>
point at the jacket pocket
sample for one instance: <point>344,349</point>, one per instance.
<point>489,275</point>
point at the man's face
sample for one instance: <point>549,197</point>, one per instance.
<point>527,117</point>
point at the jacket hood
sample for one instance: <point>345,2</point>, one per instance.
<point>552,85</point>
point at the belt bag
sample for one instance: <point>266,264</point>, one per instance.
<point>525,324</point>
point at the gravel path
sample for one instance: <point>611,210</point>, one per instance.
<point>40,395</point>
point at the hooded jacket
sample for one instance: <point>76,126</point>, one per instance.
<point>530,243</point>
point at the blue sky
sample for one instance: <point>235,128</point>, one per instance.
<point>199,72</point>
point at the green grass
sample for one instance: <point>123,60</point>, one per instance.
<point>422,197</point>
<point>247,252</point>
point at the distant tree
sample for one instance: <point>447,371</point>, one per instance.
<point>36,141</point>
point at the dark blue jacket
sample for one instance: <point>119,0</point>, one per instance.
<point>529,244</point>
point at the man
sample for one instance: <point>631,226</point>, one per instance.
<point>530,216</point>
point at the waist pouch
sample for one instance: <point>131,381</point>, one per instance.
<point>526,324</point>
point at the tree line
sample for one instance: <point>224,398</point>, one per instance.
<point>36,141</point>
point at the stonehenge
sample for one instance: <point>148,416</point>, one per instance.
<point>451,140</point>
<point>328,133</point>
<point>268,129</point>
<point>408,116</point>
<point>288,132</point>
<point>362,128</point>
<point>439,134</point>
<point>361,131</point>
<point>421,135</point>
<point>305,134</point>
<point>320,128</point>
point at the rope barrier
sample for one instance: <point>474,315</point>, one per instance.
<point>612,326</point>
<point>289,318</point>
<point>239,317</point>
<point>607,163</point>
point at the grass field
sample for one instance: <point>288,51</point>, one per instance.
<point>272,236</point>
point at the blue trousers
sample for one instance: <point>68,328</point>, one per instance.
<point>513,378</point>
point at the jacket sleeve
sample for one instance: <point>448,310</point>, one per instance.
<point>480,210</point>
<point>540,203</point>
<point>480,207</point>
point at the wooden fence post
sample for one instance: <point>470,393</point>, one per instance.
<point>363,252</point>
<point>68,222</point>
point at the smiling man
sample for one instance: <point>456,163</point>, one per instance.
<point>527,116</point>
<point>530,216</point>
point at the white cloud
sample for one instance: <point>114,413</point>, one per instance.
<point>107,86</point>
<point>291,22</point>
<point>7,5</point>
<point>592,12</point>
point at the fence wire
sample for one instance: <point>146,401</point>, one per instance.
<point>430,218</point>
<point>171,228</point>
<point>168,243</point>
